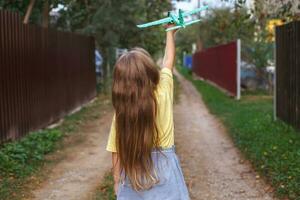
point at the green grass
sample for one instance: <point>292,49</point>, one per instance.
<point>176,90</point>
<point>22,159</point>
<point>106,189</point>
<point>273,147</point>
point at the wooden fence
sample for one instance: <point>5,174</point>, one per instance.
<point>44,75</point>
<point>287,93</point>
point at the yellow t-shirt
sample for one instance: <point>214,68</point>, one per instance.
<point>164,118</point>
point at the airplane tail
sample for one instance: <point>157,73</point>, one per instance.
<point>194,11</point>
<point>193,22</point>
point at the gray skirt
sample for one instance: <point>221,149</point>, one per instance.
<point>171,184</point>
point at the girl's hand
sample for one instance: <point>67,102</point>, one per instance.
<point>116,187</point>
<point>170,26</point>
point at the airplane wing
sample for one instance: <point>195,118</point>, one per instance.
<point>173,28</point>
<point>192,22</point>
<point>161,21</point>
<point>194,11</point>
<point>186,24</point>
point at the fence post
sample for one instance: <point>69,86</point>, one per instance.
<point>274,83</point>
<point>238,71</point>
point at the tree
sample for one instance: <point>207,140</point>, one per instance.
<point>113,24</point>
<point>224,25</point>
<point>33,11</point>
<point>186,39</point>
<point>283,9</point>
<point>45,22</point>
<point>28,11</point>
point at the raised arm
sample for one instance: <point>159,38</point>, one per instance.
<point>169,58</point>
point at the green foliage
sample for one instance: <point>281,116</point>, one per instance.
<point>286,10</point>
<point>74,16</point>
<point>185,38</point>
<point>272,146</point>
<point>176,90</point>
<point>23,158</point>
<point>221,26</point>
<point>20,158</point>
<point>259,52</point>
<point>106,189</point>
<point>224,25</point>
<point>21,7</point>
<point>113,23</point>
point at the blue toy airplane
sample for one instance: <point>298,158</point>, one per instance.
<point>175,19</point>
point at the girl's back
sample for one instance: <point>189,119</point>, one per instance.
<point>141,139</point>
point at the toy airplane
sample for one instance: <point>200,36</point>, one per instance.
<point>175,19</point>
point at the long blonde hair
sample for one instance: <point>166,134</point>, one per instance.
<point>135,79</point>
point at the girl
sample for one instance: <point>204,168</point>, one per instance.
<point>145,166</point>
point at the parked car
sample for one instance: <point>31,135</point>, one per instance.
<point>249,79</point>
<point>98,63</point>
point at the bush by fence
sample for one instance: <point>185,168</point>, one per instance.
<point>288,73</point>
<point>44,75</point>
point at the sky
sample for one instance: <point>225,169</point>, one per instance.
<point>188,4</point>
<point>191,4</point>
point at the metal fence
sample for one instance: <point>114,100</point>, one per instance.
<point>44,75</point>
<point>287,93</point>
<point>220,65</point>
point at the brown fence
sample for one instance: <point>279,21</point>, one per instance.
<point>288,73</point>
<point>44,75</point>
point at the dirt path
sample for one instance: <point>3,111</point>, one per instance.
<point>212,166</point>
<point>80,172</point>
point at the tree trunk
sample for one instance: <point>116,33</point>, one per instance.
<point>28,11</point>
<point>45,22</point>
